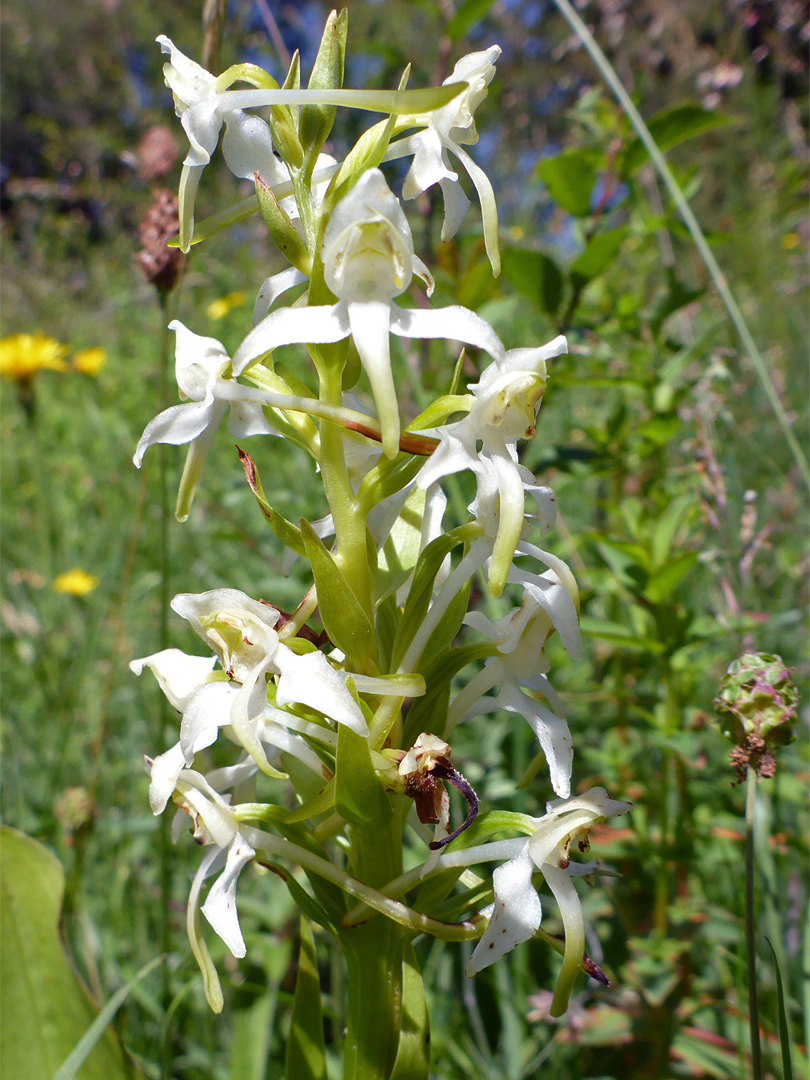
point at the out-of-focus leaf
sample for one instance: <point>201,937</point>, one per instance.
<point>468,14</point>
<point>305,1058</point>
<point>618,634</point>
<point>45,1006</point>
<point>670,128</point>
<point>676,297</point>
<point>600,252</point>
<point>569,179</point>
<point>665,580</point>
<point>668,524</point>
<point>706,1053</point>
<point>535,275</point>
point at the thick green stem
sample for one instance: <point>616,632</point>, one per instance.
<point>750,932</point>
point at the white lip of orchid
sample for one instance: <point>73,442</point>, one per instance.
<point>239,629</point>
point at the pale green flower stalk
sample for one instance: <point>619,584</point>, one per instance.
<point>340,703</point>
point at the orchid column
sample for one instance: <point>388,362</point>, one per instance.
<point>351,698</point>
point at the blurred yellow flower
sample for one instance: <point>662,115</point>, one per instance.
<point>218,309</point>
<point>76,582</point>
<point>89,361</point>
<point>23,355</point>
<point>790,241</point>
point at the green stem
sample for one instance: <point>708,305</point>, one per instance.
<point>750,932</point>
<point>718,277</point>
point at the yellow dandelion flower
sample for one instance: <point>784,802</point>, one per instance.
<point>76,582</point>
<point>218,309</point>
<point>23,355</point>
<point>790,241</point>
<point>89,361</point>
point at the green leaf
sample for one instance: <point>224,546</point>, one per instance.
<point>429,712</point>
<point>287,533</point>
<point>413,1053</point>
<point>421,590</point>
<point>670,128</point>
<point>359,797</point>
<point>305,1058</point>
<point>398,555</point>
<point>345,621</point>
<point>288,239</point>
<point>667,526</point>
<point>535,275</point>
<point>784,1027</point>
<point>44,1004</point>
<point>599,253</point>
<point>569,179</point>
<point>676,297</point>
<point>666,580</point>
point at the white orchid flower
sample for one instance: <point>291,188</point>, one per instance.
<point>214,825</point>
<point>448,128</point>
<point>517,911</point>
<point>504,409</point>
<point>201,364</point>
<point>368,261</point>
<point>202,107</point>
<point>521,664</point>
<point>205,700</point>
<point>241,633</point>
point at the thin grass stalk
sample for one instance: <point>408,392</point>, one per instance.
<point>610,76</point>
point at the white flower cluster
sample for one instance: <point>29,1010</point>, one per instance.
<point>276,693</point>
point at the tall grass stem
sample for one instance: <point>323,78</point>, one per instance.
<point>750,932</point>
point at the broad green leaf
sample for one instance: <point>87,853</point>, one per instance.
<point>569,179</point>
<point>287,533</point>
<point>676,297</point>
<point>429,713</point>
<point>670,128</point>
<point>599,253</point>
<point>413,1053</point>
<point>535,275</point>
<point>399,553</point>
<point>45,1006</point>
<point>305,1058</point>
<point>344,619</point>
<point>665,580</point>
<point>359,796</point>
<point>421,589</point>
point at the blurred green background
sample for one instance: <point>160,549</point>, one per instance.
<point>682,509</point>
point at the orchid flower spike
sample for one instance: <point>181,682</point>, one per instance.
<point>201,369</point>
<point>368,261</point>
<point>448,128</point>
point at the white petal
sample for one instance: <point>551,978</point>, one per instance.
<point>247,418</point>
<point>209,709</point>
<point>220,905</point>
<point>202,123</point>
<point>552,732</point>
<point>290,326</point>
<point>454,323</point>
<point>177,673</point>
<point>456,205</point>
<point>311,680</point>
<point>247,147</point>
<point>489,207</point>
<point>430,165</point>
<point>164,772</point>
<point>272,288</point>
<point>516,915</point>
<point>178,424</point>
